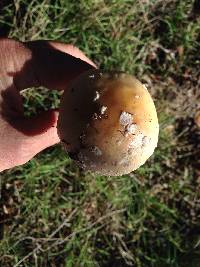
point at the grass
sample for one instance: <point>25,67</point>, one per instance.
<point>55,214</point>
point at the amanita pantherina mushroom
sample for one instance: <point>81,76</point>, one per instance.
<point>108,122</point>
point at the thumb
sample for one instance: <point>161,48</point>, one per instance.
<point>39,132</point>
<point>38,124</point>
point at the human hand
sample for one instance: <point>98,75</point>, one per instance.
<point>31,64</point>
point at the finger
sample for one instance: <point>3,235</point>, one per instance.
<point>35,125</point>
<point>50,64</point>
<point>20,144</point>
<point>72,50</point>
<point>39,132</point>
<point>56,64</point>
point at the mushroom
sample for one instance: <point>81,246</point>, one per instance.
<point>197,119</point>
<point>108,122</point>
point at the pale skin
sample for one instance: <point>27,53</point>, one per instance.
<point>32,64</point>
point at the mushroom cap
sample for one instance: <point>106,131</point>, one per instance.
<point>108,122</point>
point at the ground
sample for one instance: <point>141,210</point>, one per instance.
<point>55,214</point>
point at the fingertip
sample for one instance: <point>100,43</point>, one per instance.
<point>37,124</point>
<point>73,51</point>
